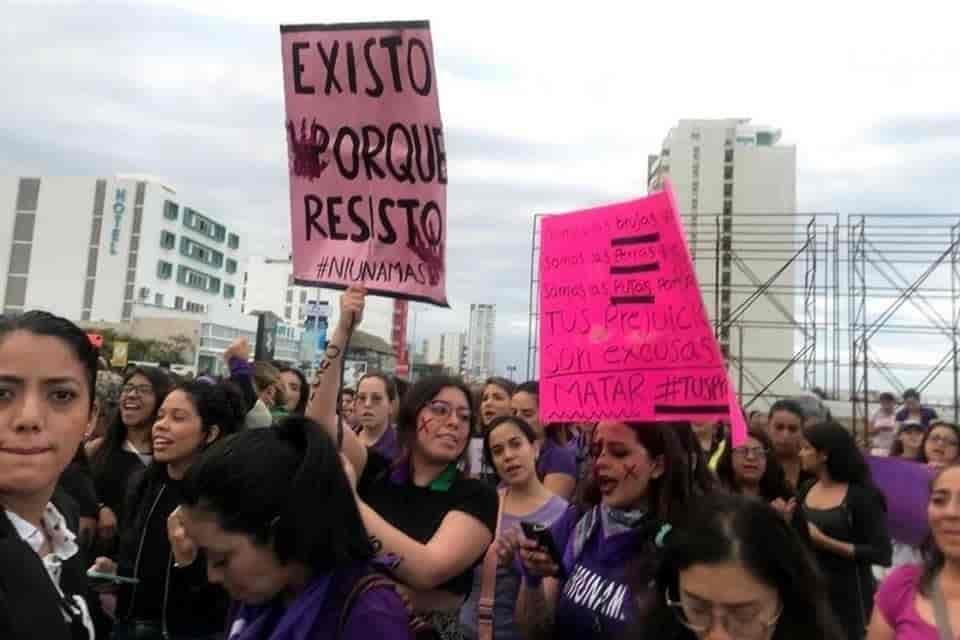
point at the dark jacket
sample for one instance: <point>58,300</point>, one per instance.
<point>30,606</point>
<point>180,600</point>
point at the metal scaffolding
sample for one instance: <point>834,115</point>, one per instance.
<point>772,278</point>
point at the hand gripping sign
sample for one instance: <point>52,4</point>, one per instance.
<point>624,334</point>
<point>368,166</point>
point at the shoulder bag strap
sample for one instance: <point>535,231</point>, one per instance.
<point>940,613</point>
<point>488,581</point>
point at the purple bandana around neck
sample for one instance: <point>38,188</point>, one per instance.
<point>274,622</point>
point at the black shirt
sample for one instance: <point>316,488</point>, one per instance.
<point>419,511</point>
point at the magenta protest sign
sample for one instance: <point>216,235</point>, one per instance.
<point>368,166</point>
<point>623,330</point>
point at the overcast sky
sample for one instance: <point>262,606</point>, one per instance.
<point>545,108</point>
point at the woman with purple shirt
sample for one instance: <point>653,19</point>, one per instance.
<point>292,569</point>
<point>640,480</point>
<point>557,464</point>
<point>510,447</point>
<point>376,394</point>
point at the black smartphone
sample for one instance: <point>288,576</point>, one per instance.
<point>540,533</point>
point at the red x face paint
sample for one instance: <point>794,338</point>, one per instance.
<point>622,468</point>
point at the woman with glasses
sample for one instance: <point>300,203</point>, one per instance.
<point>752,470</point>
<point>941,445</point>
<point>422,510</point>
<point>848,522</point>
<point>733,568</point>
<point>128,445</point>
<point>907,600</point>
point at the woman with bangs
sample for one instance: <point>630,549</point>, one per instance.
<point>421,510</point>
<point>641,479</point>
<point>127,447</point>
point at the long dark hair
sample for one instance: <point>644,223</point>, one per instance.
<point>720,528</point>
<point>116,433</point>
<point>772,485</point>
<point>416,399</point>
<point>930,552</point>
<point>701,478</point>
<point>261,483</point>
<point>301,407</point>
<point>516,421</point>
<point>668,494</point>
<point>845,462</point>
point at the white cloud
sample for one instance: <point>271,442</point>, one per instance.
<point>547,107</point>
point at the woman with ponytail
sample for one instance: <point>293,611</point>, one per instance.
<point>294,570</point>
<point>168,601</point>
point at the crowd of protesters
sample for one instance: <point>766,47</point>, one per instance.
<point>263,505</point>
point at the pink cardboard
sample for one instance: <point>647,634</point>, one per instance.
<point>368,167</point>
<point>624,334</point>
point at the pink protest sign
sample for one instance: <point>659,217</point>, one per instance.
<point>624,334</point>
<point>368,167</point>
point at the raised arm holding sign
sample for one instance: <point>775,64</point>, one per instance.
<point>624,334</point>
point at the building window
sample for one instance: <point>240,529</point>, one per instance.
<point>728,173</point>
<point>164,270</point>
<point>287,313</point>
<point>231,265</point>
<point>158,299</point>
<point>197,280</point>
<point>171,210</point>
<point>200,252</point>
<point>228,291</point>
<point>233,241</point>
<point>289,296</point>
<point>178,303</point>
<point>728,190</point>
<point>696,171</point>
<point>201,224</point>
<point>167,240</point>
<point>695,135</point>
<point>728,155</point>
<point>727,207</point>
<point>696,153</point>
<point>695,204</point>
<point>696,187</point>
<point>303,296</point>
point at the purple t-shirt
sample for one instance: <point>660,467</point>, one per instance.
<point>388,445</point>
<point>556,459</point>
<point>595,600</point>
<point>378,612</point>
<point>895,600</point>
<point>508,579</point>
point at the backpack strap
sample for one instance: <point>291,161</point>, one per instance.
<point>360,587</point>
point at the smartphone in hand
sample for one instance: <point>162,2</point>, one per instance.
<point>101,581</point>
<point>540,533</point>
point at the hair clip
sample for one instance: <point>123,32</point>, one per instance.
<point>662,534</point>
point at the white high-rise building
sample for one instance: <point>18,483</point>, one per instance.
<point>736,188</point>
<point>447,349</point>
<point>107,249</point>
<point>480,341</point>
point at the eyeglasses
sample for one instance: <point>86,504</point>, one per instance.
<point>140,389</point>
<point>751,452</point>
<point>944,440</point>
<point>700,618</point>
<point>442,409</point>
